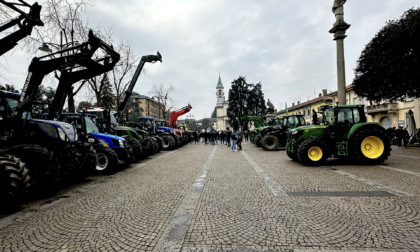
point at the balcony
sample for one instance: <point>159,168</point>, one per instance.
<point>382,108</point>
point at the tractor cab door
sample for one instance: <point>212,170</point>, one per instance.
<point>344,120</point>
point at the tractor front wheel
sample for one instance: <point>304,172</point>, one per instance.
<point>370,146</point>
<point>257,140</point>
<point>269,142</point>
<point>13,176</point>
<point>168,142</point>
<point>313,152</point>
<point>106,160</point>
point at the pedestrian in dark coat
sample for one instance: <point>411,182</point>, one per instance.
<point>222,137</point>
<point>228,134</point>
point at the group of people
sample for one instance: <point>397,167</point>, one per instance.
<point>399,135</point>
<point>232,139</point>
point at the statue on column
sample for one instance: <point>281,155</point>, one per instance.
<point>338,10</point>
<point>340,26</point>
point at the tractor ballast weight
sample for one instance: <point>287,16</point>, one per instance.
<point>344,133</point>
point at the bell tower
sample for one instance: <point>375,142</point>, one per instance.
<point>220,93</point>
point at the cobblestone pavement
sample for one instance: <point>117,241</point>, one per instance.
<point>209,198</point>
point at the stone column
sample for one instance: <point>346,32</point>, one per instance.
<point>339,29</point>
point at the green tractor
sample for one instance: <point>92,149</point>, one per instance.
<point>273,137</point>
<point>344,133</point>
<point>256,136</point>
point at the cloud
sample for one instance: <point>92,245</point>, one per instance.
<point>285,45</point>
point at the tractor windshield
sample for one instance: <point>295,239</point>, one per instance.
<point>90,126</point>
<point>294,121</point>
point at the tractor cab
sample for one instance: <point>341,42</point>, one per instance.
<point>340,119</point>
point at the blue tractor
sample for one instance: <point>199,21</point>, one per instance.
<point>111,151</point>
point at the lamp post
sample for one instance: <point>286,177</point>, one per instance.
<point>339,29</point>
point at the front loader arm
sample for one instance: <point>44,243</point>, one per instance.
<point>69,58</point>
<point>178,113</point>
<point>26,22</point>
<point>91,68</point>
<point>129,91</point>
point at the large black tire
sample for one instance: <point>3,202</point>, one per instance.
<point>88,161</point>
<point>178,141</point>
<point>270,142</point>
<point>147,147</point>
<point>136,147</point>
<point>313,152</point>
<point>70,163</point>
<point>13,177</point>
<point>157,145</point>
<point>38,160</point>
<point>106,160</point>
<point>257,140</point>
<point>370,146</point>
<point>168,142</point>
<point>290,154</point>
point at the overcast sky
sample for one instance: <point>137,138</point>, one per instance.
<point>284,44</point>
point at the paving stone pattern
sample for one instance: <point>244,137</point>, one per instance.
<point>229,205</point>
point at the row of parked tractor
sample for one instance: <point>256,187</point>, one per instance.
<point>339,131</point>
<point>41,154</point>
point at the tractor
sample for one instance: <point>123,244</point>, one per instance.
<point>273,137</point>
<point>344,133</point>
<point>256,136</point>
<point>111,151</point>
<point>14,175</point>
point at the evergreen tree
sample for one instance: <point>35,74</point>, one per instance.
<point>270,107</point>
<point>214,114</point>
<point>107,96</point>
<point>244,99</point>
<point>388,67</point>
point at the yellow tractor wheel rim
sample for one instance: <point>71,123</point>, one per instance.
<point>372,147</point>
<point>315,153</point>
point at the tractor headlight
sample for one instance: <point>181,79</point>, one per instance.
<point>62,134</point>
<point>294,132</point>
<point>121,143</point>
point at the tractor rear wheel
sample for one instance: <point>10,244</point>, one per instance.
<point>106,160</point>
<point>313,152</point>
<point>168,142</point>
<point>370,146</point>
<point>136,147</point>
<point>290,154</point>
<point>13,177</point>
<point>270,142</point>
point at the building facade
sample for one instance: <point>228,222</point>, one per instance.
<point>222,120</point>
<point>149,106</point>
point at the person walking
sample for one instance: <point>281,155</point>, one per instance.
<point>206,137</point>
<point>239,141</point>
<point>195,136</point>
<point>246,135</point>
<point>222,137</point>
<point>228,133</point>
<point>234,138</point>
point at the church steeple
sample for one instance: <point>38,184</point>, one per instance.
<point>220,94</point>
<point>219,83</point>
